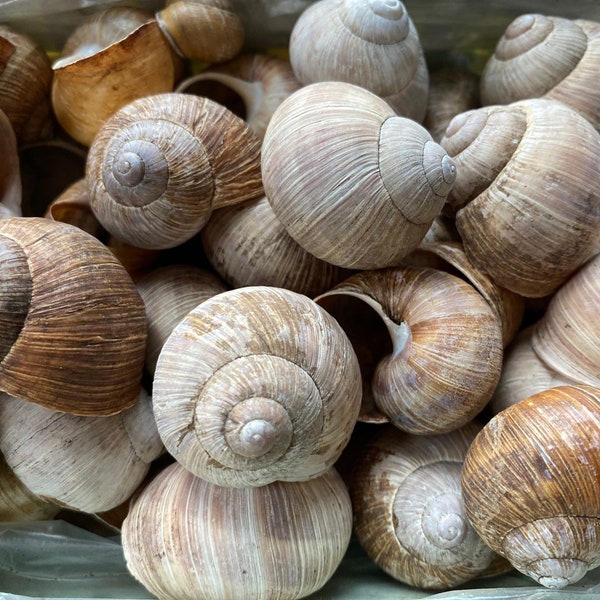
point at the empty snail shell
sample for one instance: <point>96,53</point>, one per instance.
<point>115,56</point>
<point>161,164</point>
<point>10,178</point>
<point>247,245</point>
<point>204,30</point>
<point>408,510</point>
<point>530,484</point>
<point>187,538</point>
<point>442,357</point>
<point>546,56</point>
<point>370,43</point>
<point>73,325</point>
<point>255,385</point>
<point>352,182</point>
<point>542,155</point>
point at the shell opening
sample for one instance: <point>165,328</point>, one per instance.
<point>219,88</point>
<point>557,573</point>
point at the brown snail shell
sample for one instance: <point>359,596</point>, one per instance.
<point>115,56</point>
<point>160,165</point>
<point>530,484</point>
<point>247,245</point>
<point>255,385</point>
<point>10,179</point>
<point>542,155</point>
<point>204,30</point>
<point>289,537</point>
<point>540,56</point>
<point>370,43</point>
<point>442,360</point>
<point>408,510</point>
<point>352,182</point>
<point>73,325</point>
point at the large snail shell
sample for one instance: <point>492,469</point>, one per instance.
<point>255,385</point>
<point>161,164</point>
<point>530,484</point>
<point>186,538</point>
<point>115,56</point>
<point>352,182</point>
<point>73,325</point>
<point>247,245</point>
<point>526,192</point>
<point>10,177</point>
<point>546,56</point>
<point>446,344</point>
<point>370,43</point>
<point>408,509</point>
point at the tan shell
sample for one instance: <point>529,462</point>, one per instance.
<point>115,56</point>
<point>352,182</point>
<point>526,192</point>
<point>205,30</point>
<point>408,510</point>
<point>255,385</point>
<point>540,56</point>
<point>442,358</point>
<point>10,177</point>
<point>160,165</point>
<point>289,537</point>
<point>73,325</point>
<point>370,43</point>
<point>530,484</point>
<point>247,245</point>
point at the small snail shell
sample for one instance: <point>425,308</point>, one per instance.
<point>250,85</point>
<point>255,385</point>
<point>370,43</point>
<point>247,245</point>
<point>73,327</point>
<point>530,484</point>
<point>546,56</point>
<point>10,178</point>
<point>169,292</point>
<point>442,361</point>
<point>160,165</point>
<point>408,510</point>
<point>84,463</point>
<point>205,30</point>
<point>115,56</point>
<point>186,538</point>
<point>25,81</point>
<point>543,156</point>
<point>352,182</point>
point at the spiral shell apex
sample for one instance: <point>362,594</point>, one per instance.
<point>255,385</point>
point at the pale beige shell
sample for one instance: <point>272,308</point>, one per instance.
<point>115,56</point>
<point>255,385</point>
<point>352,182</point>
<point>438,356</point>
<point>250,85</point>
<point>546,56</point>
<point>247,245</point>
<point>161,164</point>
<point>186,538</point>
<point>370,43</point>
<point>409,514</point>
<point>83,463</point>
<point>10,177</point>
<point>526,193</point>
<point>530,484</point>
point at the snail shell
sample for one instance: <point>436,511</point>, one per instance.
<point>530,484</point>
<point>408,510</point>
<point>255,385</point>
<point>442,359</point>
<point>10,178</point>
<point>370,43</point>
<point>546,56</point>
<point>526,192</point>
<point>352,182</point>
<point>187,538</point>
<point>161,164</point>
<point>73,327</point>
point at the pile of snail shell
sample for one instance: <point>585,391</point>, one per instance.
<point>291,300</point>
